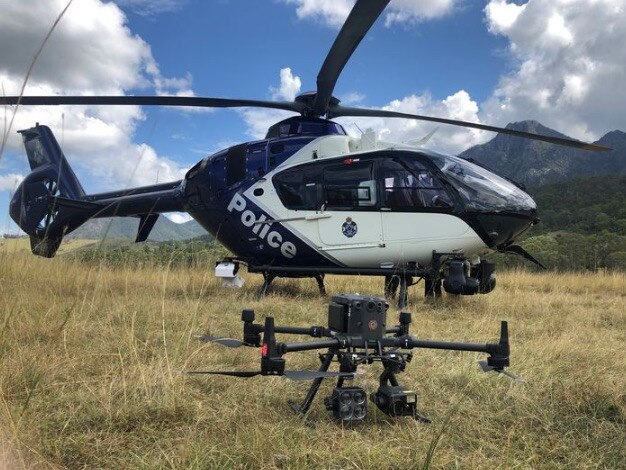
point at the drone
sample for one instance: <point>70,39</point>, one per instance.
<point>357,334</point>
<point>308,199</point>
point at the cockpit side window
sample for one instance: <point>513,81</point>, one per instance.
<point>350,185</point>
<point>480,189</point>
<point>411,186</point>
<point>299,189</point>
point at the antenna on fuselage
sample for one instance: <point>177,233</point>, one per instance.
<point>423,140</point>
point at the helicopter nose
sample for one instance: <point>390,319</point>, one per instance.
<point>501,229</point>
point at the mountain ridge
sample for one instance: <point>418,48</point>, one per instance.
<point>126,228</point>
<point>534,163</point>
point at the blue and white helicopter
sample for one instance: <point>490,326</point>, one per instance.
<point>308,199</point>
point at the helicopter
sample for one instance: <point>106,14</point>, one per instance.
<point>308,199</point>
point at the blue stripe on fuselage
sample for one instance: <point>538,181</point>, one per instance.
<point>231,217</point>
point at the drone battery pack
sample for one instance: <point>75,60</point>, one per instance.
<point>358,316</point>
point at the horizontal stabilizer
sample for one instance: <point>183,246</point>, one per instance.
<point>75,203</point>
<point>146,224</point>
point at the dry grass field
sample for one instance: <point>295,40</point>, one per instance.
<point>89,361</point>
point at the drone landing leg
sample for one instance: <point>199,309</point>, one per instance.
<point>303,407</point>
<point>320,284</point>
<point>432,282</point>
<point>432,287</point>
<point>391,286</point>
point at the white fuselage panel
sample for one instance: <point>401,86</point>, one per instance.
<point>359,238</point>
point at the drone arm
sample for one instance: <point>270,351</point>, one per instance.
<point>498,352</point>
<point>403,328</point>
<point>313,331</point>
<point>413,343</point>
<point>310,345</point>
<point>271,361</point>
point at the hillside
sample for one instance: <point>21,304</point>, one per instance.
<point>584,205</point>
<point>583,225</point>
<point>534,163</point>
<point>126,227</point>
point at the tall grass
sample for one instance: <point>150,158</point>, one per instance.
<point>89,357</point>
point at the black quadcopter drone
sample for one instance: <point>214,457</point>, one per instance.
<point>357,334</point>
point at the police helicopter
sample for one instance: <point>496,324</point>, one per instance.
<point>307,200</point>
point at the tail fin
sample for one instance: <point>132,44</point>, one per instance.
<point>51,202</point>
<point>38,205</point>
<point>42,149</point>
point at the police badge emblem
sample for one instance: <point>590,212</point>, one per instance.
<point>349,228</point>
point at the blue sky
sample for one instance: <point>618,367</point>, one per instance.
<point>491,61</point>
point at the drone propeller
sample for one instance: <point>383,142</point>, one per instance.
<point>228,342</point>
<point>487,368</point>
<point>290,374</point>
<point>235,373</point>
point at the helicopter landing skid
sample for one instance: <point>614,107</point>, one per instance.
<point>268,278</point>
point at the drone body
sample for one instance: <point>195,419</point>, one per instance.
<point>357,335</point>
<point>308,199</point>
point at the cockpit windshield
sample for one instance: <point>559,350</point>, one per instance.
<point>480,189</point>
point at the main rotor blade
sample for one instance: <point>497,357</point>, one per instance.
<point>336,111</point>
<point>359,21</point>
<point>187,101</point>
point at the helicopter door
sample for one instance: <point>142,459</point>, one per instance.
<point>351,201</point>
<point>415,206</point>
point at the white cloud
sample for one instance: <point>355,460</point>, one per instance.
<point>502,15</point>
<point>91,48</point>
<point>9,182</point>
<point>412,11</point>
<point>151,7</point>
<point>351,99</point>
<point>568,64</point>
<point>447,139</point>
<point>91,52</point>
<point>333,13</point>
<point>258,120</point>
<point>290,85</point>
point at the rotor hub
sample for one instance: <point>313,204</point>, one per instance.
<point>308,98</point>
